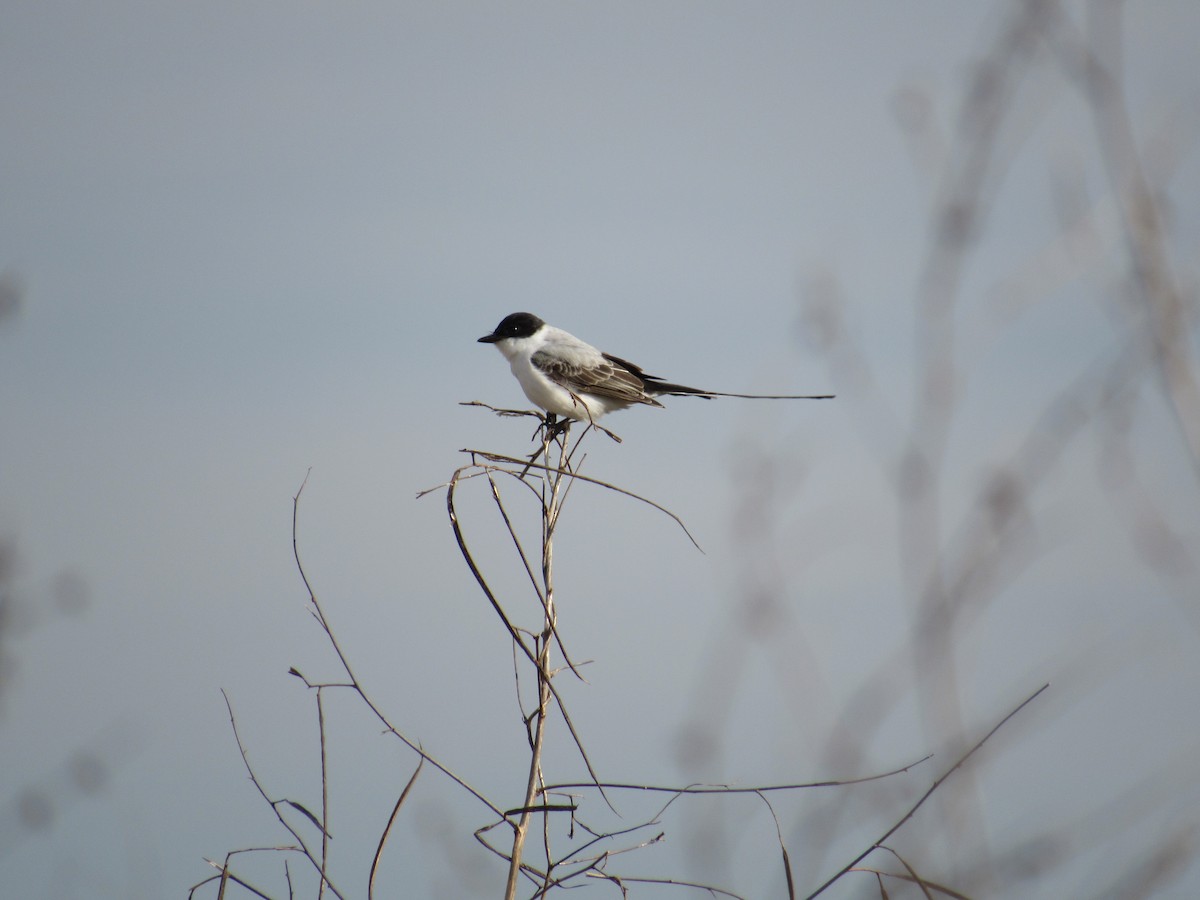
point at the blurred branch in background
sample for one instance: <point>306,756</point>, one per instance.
<point>12,292</point>
<point>966,557</point>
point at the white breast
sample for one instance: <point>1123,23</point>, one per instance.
<point>554,398</point>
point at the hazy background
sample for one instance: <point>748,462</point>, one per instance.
<point>240,240</point>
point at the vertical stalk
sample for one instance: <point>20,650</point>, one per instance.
<point>324,796</point>
<point>550,506</point>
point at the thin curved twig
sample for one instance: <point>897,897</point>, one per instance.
<point>274,804</point>
<point>936,784</point>
<point>354,682</point>
<point>388,828</point>
<point>512,532</point>
<point>501,458</point>
<point>726,789</point>
<point>460,539</point>
<point>787,860</point>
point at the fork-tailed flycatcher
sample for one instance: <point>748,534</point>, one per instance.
<point>566,377</point>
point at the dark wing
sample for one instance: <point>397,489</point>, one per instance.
<point>652,384</point>
<point>611,377</point>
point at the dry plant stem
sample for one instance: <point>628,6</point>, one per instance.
<point>726,789</point>
<point>324,795</point>
<point>787,861</point>
<point>597,837</point>
<point>925,884</point>
<point>575,476</point>
<point>355,685</point>
<point>388,829</point>
<point>1142,222</point>
<point>913,809</point>
<point>958,218</point>
<point>514,633</point>
<point>973,578</point>
<point>521,829</point>
<point>917,879</point>
<point>550,482</point>
<point>226,874</point>
<point>588,863</point>
<point>550,508</point>
<point>672,882</point>
<point>944,593</point>
<point>512,533</point>
<point>274,804</point>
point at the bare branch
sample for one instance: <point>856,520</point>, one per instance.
<point>274,804</point>
<point>936,784</point>
<point>500,458</point>
<point>358,689</point>
<point>388,828</point>
<point>727,789</point>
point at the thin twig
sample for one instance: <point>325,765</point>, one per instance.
<point>917,879</point>
<point>501,458</point>
<point>613,835</point>
<point>224,872</point>
<point>354,682</point>
<point>225,877</point>
<point>274,804</point>
<point>671,882</point>
<point>787,862</point>
<point>529,569</point>
<point>550,502</point>
<point>324,795</point>
<point>504,412</point>
<point>388,828</point>
<point>931,885</point>
<point>513,632</point>
<point>726,789</point>
<point>936,784</point>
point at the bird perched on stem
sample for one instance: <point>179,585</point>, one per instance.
<point>566,377</point>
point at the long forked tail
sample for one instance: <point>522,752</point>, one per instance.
<point>653,386</point>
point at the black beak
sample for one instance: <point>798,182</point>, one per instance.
<point>489,339</point>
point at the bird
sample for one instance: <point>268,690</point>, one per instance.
<point>567,377</point>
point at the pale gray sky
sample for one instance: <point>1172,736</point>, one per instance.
<point>253,238</point>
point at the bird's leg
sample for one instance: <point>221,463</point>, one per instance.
<point>559,429</point>
<point>546,422</point>
<point>552,427</point>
